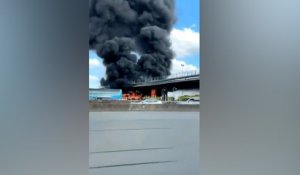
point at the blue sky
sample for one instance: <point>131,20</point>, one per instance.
<point>188,13</point>
<point>184,37</point>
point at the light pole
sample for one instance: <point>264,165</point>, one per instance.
<point>182,65</point>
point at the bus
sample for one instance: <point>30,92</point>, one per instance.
<point>105,94</point>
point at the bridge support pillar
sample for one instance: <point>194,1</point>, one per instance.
<point>164,94</point>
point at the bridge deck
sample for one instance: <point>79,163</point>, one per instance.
<point>169,80</point>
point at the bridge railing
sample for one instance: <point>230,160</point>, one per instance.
<point>184,74</point>
<point>177,75</point>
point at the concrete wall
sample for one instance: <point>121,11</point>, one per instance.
<point>126,106</point>
<point>179,93</point>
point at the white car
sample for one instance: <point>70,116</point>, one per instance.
<point>150,101</point>
<point>190,101</point>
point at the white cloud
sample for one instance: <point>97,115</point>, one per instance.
<point>94,81</point>
<point>93,62</point>
<point>185,42</point>
<point>179,67</point>
<point>96,70</point>
<point>93,78</point>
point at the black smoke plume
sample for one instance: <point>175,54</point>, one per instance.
<point>118,28</point>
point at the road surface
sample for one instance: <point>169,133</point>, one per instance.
<point>144,143</point>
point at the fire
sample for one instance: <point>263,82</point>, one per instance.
<point>153,92</point>
<point>132,96</point>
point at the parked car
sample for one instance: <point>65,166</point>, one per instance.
<point>149,101</point>
<point>190,101</point>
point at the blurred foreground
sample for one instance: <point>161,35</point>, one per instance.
<point>144,143</point>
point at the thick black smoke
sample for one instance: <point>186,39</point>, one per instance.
<point>118,28</point>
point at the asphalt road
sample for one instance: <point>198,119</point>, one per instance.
<point>144,143</point>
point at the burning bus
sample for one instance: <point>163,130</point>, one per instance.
<point>132,96</point>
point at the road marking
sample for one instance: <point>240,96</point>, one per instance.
<point>133,164</point>
<point>127,150</point>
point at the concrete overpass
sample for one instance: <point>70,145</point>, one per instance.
<point>177,80</point>
<point>186,80</point>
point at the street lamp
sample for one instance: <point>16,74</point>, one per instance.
<point>182,65</point>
